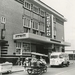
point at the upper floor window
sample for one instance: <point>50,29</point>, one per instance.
<point>26,22</point>
<point>42,27</point>
<point>35,32</point>
<point>42,19</point>
<point>26,30</point>
<point>59,21</point>
<point>42,13</point>
<point>35,9</point>
<point>27,5</point>
<point>35,25</point>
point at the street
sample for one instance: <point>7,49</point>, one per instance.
<point>53,71</point>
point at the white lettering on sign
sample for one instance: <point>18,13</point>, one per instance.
<point>48,25</point>
<point>20,36</point>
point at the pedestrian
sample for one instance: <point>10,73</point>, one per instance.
<point>43,62</point>
<point>26,63</point>
<point>34,61</point>
<point>18,62</point>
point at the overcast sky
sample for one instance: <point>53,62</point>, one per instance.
<point>67,9</point>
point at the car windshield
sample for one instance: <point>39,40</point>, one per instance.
<point>54,56</point>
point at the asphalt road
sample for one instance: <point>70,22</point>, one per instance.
<point>53,71</point>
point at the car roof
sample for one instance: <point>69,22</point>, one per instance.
<point>57,53</point>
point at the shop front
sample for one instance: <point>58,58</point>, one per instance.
<point>28,44</point>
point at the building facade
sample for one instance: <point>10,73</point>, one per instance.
<point>30,27</point>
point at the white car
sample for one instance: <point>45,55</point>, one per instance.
<point>5,67</point>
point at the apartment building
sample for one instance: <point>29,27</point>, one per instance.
<point>30,27</point>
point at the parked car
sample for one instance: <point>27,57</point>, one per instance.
<point>5,67</point>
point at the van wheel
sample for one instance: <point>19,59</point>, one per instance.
<point>62,65</point>
<point>9,71</point>
<point>67,64</point>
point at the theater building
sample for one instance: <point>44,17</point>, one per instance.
<point>30,27</point>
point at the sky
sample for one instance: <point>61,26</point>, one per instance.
<point>67,9</point>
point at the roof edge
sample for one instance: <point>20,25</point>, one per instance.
<point>51,9</point>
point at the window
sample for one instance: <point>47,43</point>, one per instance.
<point>26,30</point>
<point>42,34</point>
<point>54,56</point>
<point>42,19</point>
<point>55,31</point>
<point>18,51</point>
<point>27,5</point>
<point>18,44</point>
<point>18,48</point>
<point>35,25</point>
<point>35,9</point>
<point>34,31</point>
<point>27,22</point>
<point>42,27</point>
<point>42,13</point>
<point>26,47</point>
<point>59,21</point>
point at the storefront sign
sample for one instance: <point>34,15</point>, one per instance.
<point>20,36</point>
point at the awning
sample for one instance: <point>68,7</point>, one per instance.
<point>35,37</point>
<point>34,53</point>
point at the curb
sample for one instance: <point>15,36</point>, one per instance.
<point>13,72</point>
<point>17,71</point>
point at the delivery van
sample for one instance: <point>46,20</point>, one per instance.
<point>59,59</point>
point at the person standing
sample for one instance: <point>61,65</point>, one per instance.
<point>34,61</point>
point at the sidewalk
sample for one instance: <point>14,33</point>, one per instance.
<point>17,68</point>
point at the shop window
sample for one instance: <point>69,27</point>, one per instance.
<point>18,51</point>
<point>26,47</point>
<point>27,5</point>
<point>33,48</point>
<point>18,48</point>
<point>18,44</point>
<point>42,27</point>
<point>27,22</point>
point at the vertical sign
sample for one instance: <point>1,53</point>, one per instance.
<point>48,26</point>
